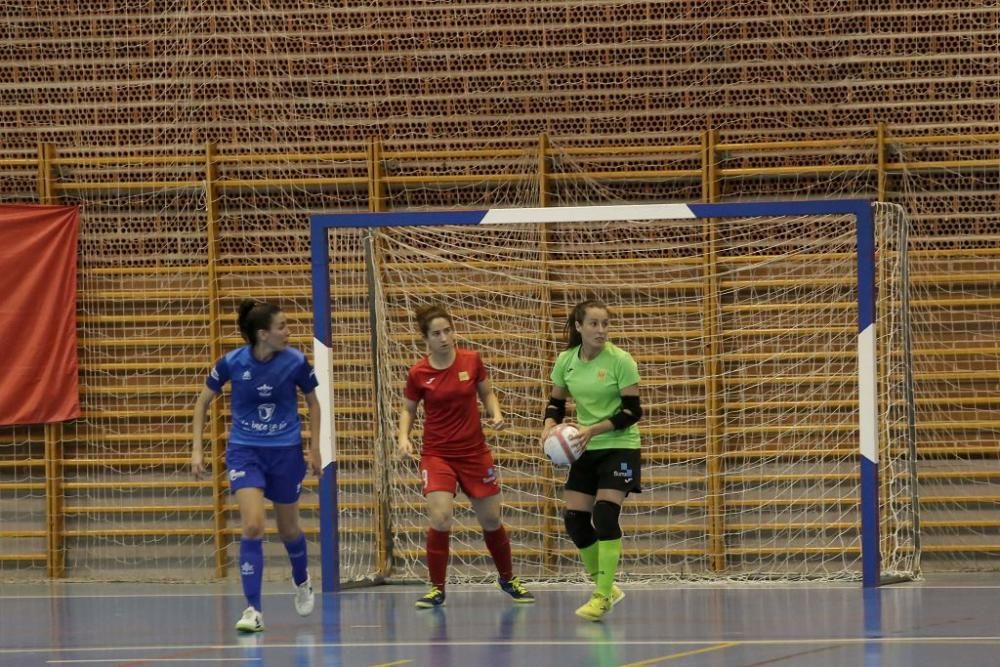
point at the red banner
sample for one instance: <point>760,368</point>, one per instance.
<point>38,362</point>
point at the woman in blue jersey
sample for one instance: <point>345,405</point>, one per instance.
<point>264,454</point>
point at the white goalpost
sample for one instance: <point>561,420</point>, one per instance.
<point>773,345</point>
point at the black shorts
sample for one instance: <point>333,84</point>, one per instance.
<point>619,469</point>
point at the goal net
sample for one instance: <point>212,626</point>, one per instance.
<point>777,441</point>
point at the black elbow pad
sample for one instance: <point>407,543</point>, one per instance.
<point>629,413</point>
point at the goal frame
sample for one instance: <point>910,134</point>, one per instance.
<point>860,209</point>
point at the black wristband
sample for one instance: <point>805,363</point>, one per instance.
<point>556,410</point>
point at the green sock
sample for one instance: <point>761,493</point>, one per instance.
<point>608,553</point>
<point>589,557</point>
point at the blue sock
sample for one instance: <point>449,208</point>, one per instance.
<point>297,554</point>
<point>252,569</point>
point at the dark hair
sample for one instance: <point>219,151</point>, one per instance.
<point>576,316</point>
<point>254,316</point>
<point>427,314</point>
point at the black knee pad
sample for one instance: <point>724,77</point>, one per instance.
<point>579,528</point>
<point>606,520</point>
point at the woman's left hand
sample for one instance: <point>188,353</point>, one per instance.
<point>315,461</point>
<point>497,422</point>
<point>584,436</point>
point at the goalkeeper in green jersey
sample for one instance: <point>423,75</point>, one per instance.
<point>604,383</point>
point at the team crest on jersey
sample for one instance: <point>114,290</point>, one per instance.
<point>463,376</point>
<point>265,411</point>
<point>265,390</point>
<point>246,375</point>
<point>601,374</point>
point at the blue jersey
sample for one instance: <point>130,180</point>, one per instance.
<point>265,407</point>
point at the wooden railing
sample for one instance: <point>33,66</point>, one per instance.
<point>382,178</point>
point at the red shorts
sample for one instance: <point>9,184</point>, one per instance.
<point>475,475</point>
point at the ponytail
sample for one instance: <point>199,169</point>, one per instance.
<point>254,316</point>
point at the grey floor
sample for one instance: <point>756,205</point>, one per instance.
<point>944,621</point>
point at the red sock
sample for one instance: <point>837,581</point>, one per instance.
<point>499,545</point>
<point>437,556</point>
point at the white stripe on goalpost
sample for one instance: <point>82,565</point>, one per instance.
<point>499,216</point>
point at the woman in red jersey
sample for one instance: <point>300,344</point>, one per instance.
<point>454,454</point>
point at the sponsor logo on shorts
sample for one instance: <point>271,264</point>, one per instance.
<point>624,471</point>
<point>236,474</point>
<point>491,476</point>
<point>246,569</point>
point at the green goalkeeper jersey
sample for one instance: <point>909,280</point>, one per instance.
<point>596,386</point>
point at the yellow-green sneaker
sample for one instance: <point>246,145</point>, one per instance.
<point>433,598</point>
<point>516,590</point>
<point>596,607</point>
<point>617,594</point>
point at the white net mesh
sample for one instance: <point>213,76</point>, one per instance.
<point>955,279</point>
<point>749,382</point>
<point>130,506</point>
<point>166,254</point>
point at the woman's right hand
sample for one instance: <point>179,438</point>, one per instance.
<point>198,468</point>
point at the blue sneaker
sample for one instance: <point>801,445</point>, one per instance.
<point>516,590</point>
<point>433,598</point>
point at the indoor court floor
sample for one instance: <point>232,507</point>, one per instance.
<point>946,621</point>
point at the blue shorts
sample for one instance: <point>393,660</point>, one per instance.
<point>277,470</point>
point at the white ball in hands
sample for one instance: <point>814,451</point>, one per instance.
<point>562,445</point>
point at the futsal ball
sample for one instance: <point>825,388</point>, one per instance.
<point>561,446</point>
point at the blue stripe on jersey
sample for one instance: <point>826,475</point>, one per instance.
<point>264,404</point>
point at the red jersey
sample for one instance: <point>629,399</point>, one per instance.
<point>452,423</point>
